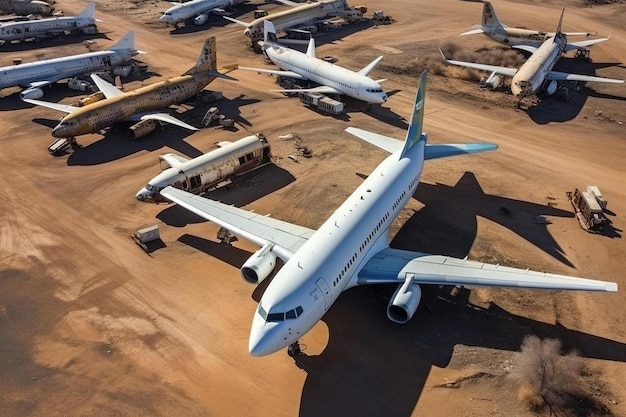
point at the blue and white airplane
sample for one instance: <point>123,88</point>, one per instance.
<point>352,247</point>
<point>33,76</point>
<point>332,78</point>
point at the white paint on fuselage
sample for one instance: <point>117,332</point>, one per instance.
<point>30,29</point>
<point>346,81</point>
<point>336,252</point>
<point>186,11</point>
<point>532,74</point>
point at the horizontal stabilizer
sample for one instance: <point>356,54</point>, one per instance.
<point>65,108</point>
<point>453,149</point>
<point>571,46</point>
<point>386,143</point>
<point>473,32</point>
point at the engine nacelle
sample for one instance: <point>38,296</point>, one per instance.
<point>91,98</point>
<point>123,71</point>
<point>32,93</point>
<point>77,84</point>
<point>404,302</point>
<point>141,129</point>
<point>493,81</point>
<point>259,266</point>
<point>200,19</point>
<point>551,87</point>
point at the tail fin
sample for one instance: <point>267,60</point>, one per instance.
<point>89,11</point>
<point>269,32</point>
<point>489,16</point>
<point>207,61</point>
<point>558,28</point>
<point>414,134</point>
<point>126,43</point>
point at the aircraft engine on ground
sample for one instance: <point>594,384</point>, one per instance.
<point>32,93</point>
<point>259,266</point>
<point>201,19</point>
<point>492,82</point>
<point>141,129</point>
<point>551,87</point>
<point>404,302</point>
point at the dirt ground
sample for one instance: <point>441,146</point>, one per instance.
<point>92,325</point>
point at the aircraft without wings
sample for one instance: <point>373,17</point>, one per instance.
<point>492,27</point>
<point>352,247</point>
<point>142,105</point>
<point>26,7</point>
<point>332,78</point>
<point>85,22</point>
<point>33,76</point>
<point>536,74</point>
<point>195,10</point>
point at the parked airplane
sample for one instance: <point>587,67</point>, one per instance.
<point>35,75</point>
<point>195,10</point>
<point>298,15</point>
<point>351,248</point>
<point>51,27</point>
<point>26,7</point>
<point>139,105</point>
<point>333,78</point>
<point>198,174</point>
<point>499,32</point>
<point>536,73</point>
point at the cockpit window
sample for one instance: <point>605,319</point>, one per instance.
<point>291,314</point>
<point>275,317</point>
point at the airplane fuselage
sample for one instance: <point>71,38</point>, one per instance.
<point>104,113</point>
<point>515,36</point>
<point>43,27</point>
<point>531,75</point>
<point>186,11</point>
<point>295,16</point>
<point>347,82</point>
<point>59,68</point>
<point>328,263</point>
<point>21,7</point>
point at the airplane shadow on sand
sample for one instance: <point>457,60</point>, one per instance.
<point>550,109</point>
<point>239,192</point>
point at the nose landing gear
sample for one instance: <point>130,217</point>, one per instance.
<point>294,349</point>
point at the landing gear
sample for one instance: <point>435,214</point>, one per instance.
<point>226,237</point>
<point>583,54</point>
<point>294,349</point>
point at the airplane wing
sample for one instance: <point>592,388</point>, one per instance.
<point>173,160</point>
<point>322,89</point>
<point>289,74</point>
<point>556,75</point>
<point>433,151</point>
<point>583,44</point>
<point>65,108</point>
<point>395,265</point>
<point>163,117</point>
<point>286,238</point>
<point>109,90</point>
<point>485,67</point>
<point>239,22</point>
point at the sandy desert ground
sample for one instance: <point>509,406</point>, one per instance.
<point>92,325</point>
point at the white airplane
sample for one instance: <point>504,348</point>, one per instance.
<point>352,247</point>
<point>305,66</point>
<point>34,75</point>
<point>201,173</point>
<point>51,27</point>
<point>499,32</point>
<point>196,10</point>
<point>536,73</point>
<point>300,14</point>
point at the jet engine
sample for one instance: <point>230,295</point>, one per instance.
<point>259,266</point>
<point>404,302</point>
<point>32,93</point>
<point>141,129</point>
<point>493,81</point>
<point>551,87</point>
<point>201,19</point>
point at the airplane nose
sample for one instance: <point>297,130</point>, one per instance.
<point>57,131</point>
<point>144,195</point>
<point>262,341</point>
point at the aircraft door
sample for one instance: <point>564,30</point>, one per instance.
<point>325,289</point>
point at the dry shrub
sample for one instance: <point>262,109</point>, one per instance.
<point>548,378</point>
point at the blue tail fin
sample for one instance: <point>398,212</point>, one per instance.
<point>414,134</point>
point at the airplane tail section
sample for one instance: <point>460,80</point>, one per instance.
<point>127,43</point>
<point>415,134</point>
<point>489,16</point>
<point>89,11</point>
<point>269,35</point>
<point>310,50</point>
<point>558,28</point>
<point>207,61</point>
